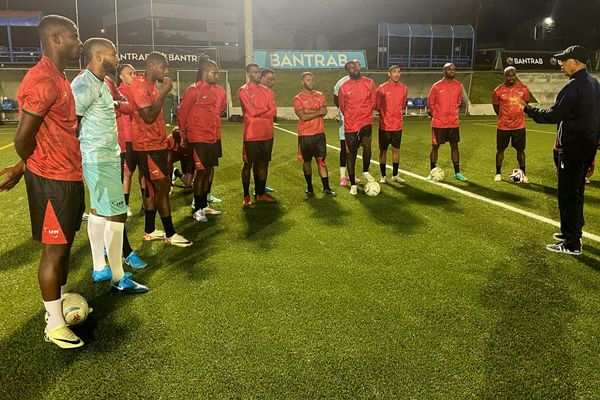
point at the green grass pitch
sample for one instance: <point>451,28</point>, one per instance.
<point>421,292</point>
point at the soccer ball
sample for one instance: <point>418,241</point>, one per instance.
<point>516,176</point>
<point>372,188</point>
<point>75,308</point>
<point>437,174</point>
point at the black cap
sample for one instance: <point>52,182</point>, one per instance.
<point>575,52</point>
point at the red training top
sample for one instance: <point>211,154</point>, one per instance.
<point>199,114</point>
<point>146,137</point>
<point>357,99</point>
<point>444,100</point>
<point>312,100</point>
<point>258,107</point>
<point>45,93</point>
<point>510,116</point>
<point>391,99</point>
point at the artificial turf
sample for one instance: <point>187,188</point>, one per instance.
<point>420,292</point>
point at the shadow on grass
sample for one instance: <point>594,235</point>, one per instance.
<point>263,223</point>
<point>423,197</point>
<point>25,253</point>
<point>327,210</point>
<point>493,194</point>
<point>388,211</point>
<point>528,354</point>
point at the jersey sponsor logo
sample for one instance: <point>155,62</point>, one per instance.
<point>118,203</point>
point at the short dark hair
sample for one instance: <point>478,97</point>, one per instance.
<point>252,65</point>
<point>91,46</point>
<point>120,69</point>
<point>155,58</point>
<point>51,21</point>
<point>305,74</point>
<point>266,71</point>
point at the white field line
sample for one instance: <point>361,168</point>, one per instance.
<point>496,203</point>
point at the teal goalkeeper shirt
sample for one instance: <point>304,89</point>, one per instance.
<point>98,126</point>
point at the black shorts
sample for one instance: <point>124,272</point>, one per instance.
<point>153,164</point>
<point>389,137</point>
<point>205,155</point>
<point>129,158</point>
<point>55,208</point>
<point>219,148</point>
<point>258,151</point>
<point>312,146</point>
<point>515,137</point>
<point>443,135</point>
<point>353,138</point>
<point>184,158</point>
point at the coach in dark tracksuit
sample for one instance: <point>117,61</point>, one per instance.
<point>577,113</point>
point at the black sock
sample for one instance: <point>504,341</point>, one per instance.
<point>126,246</point>
<point>256,185</point>
<point>168,225</point>
<point>432,164</point>
<point>395,169</point>
<point>150,216</point>
<point>203,200</point>
<point>498,169</point>
<point>178,173</point>
<point>143,192</point>
<point>197,202</point>
<point>325,182</point>
<point>246,186</point>
<point>456,167</point>
<point>126,198</point>
<point>209,187</point>
<point>382,168</point>
<point>352,179</point>
<point>259,187</point>
<point>308,179</point>
<point>522,169</point>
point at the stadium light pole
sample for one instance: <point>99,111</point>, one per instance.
<point>152,21</point>
<point>77,23</point>
<point>116,28</point>
<point>248,33</point>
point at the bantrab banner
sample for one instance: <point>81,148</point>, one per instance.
<point>292,59</point>
<point>184,57</point>
<point>523,60</point>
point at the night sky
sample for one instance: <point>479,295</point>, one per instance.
<point>302,21</point>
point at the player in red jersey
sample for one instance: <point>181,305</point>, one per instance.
<point>150,143</point>
<point>46,141</point>
<point>258,107</point>
<point>183,155</point>
<point>511,120</point>
<point>444,100</point>
<point>267,78</point>
<point>199,119</point>
<point>356,100</point>
<point>310,107</point>
<point>391,99</point>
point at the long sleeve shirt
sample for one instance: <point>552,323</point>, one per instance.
<point>258,107</point>
<point>576,111</point>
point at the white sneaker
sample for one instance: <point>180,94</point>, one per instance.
<point>498,178</point>
<point>353,190</point>
<point>129,213</point>
<point>525,179</point>
<point>156,235</point>
<point>383,179</point>
<point>396,178</point>
<point>85,216</point>
<point>199,216</point>
<point>368,177</point>
<point>178,241</point>
<point>211,211</point>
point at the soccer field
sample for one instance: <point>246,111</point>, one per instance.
<point>421,292</point>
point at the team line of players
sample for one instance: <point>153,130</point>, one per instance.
<point>93,130</point>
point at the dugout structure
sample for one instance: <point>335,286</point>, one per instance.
<point>425,46</point>
<point>19,23</point>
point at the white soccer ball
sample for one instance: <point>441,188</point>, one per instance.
<point>409,104</point>
<point>372,188</point>
<point>437,174</point>
<point>75,308</point>
<point>516,176</point>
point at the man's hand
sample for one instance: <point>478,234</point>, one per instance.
<point>12,176</point>
<point>167,85</point>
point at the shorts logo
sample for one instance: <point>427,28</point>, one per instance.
<point>53,233</point>
<point>154,170</point>
<point>118,203</point>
